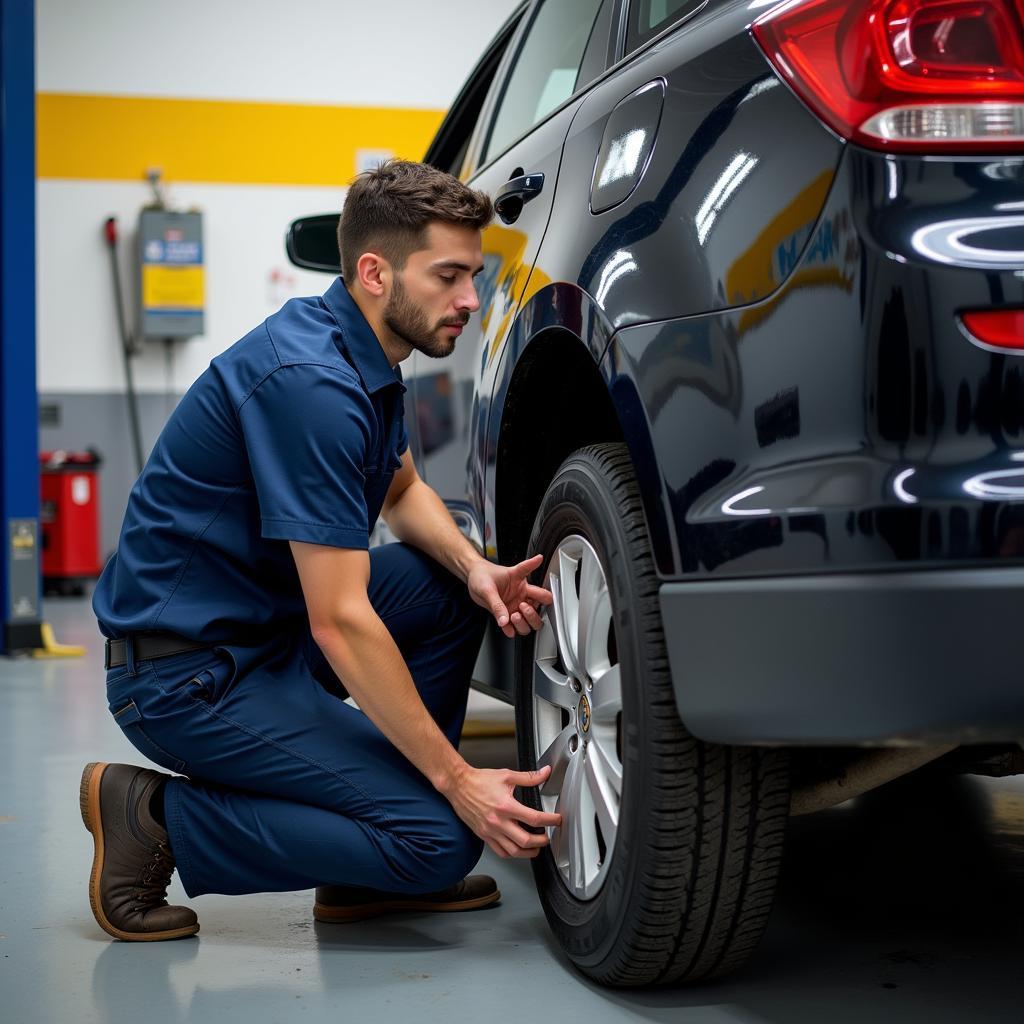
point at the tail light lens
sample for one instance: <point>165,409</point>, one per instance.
<point>996,328</point>
<point>905,75</point>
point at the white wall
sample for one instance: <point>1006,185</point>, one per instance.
<point>388,53</point>
<point>243,226</point>
<point>401,53</point>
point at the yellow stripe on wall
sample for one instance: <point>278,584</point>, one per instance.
<point>121,137</point>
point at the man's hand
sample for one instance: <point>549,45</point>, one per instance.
<point>417,516</point>
<point>483,799</point>
<point>505,593</point>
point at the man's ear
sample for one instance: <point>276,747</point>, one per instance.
<point>373,272</point>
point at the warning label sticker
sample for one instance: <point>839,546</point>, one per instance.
<point>168,287</point>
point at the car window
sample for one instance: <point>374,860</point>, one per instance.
<point>649,17</point>
<point>545,72</point>
<point>450,144</point>
<point>600,48</point>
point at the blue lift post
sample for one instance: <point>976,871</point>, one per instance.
<point>20,581</point>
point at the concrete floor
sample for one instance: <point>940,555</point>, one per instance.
<point>906,906</point>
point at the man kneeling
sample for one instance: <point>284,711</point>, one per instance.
<point>243,604</point>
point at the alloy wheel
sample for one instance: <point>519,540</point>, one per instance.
<point>577,716</point>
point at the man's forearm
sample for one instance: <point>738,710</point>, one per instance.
<point>419,517</point>
<point>366,659</point>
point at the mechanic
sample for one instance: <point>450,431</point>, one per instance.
<point>244,604</point>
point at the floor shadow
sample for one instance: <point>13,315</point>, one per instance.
<point>932,852</point>
<point>398,933</point>
<point>904,905</point>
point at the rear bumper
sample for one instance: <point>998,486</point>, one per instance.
<point>868,658</point>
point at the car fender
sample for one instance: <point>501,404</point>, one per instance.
<point>564,311</point>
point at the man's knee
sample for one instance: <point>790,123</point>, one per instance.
<point>446,859</point>
<point>460,864</point>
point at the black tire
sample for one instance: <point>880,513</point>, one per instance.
<point>690,882</point>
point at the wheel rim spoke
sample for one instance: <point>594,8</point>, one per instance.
<point>551,685</point>
<point>567,564</point>
<point>593,617</point>
<point>606,696</point>
<point>602,750</point>
<point>570,852</point>
<point>546,644</point>
<point>557,755</point>
<point>606,801</point>
<point>562,628</point>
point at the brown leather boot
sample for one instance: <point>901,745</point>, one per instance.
<point>132,864</point>
<point>353,903</point>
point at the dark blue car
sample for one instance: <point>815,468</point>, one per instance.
<point>748,373</point>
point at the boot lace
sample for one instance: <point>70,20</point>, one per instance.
<point>156,877</point>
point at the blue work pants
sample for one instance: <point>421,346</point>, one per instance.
<point>287,786</point>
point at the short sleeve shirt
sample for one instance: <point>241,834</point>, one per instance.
<point>293,433</point>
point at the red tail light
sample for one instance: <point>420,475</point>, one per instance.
<point>996,328</point>
<point>906,75</point>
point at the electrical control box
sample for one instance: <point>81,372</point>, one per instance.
<point>172,291</point>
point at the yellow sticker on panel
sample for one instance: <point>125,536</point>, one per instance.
<point>169,287</point>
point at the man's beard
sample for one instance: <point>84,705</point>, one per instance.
<point>407,321</point>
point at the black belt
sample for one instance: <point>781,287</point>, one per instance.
<point>149,646</point>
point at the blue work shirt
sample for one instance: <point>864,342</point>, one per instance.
<point>293,433</point>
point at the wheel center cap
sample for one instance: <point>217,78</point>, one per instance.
<point>583,714</point>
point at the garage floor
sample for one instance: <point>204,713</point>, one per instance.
<point>908,906</point>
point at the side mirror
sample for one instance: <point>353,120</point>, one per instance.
<point>312,243</point>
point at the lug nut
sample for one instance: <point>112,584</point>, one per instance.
<point>574,742</point>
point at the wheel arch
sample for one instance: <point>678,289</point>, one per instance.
<point>554,377</point>
<point>562,335</point>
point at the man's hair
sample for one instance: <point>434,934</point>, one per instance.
<point>388,209</point>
